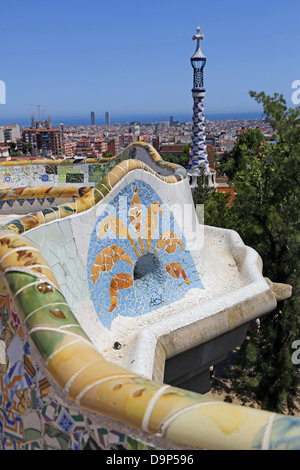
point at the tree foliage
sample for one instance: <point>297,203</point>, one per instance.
<point>265,212</point>
<point>182,159</point>
<point>216,210</point>
<point>245,150</point>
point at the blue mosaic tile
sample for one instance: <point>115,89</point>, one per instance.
<point>65,422</point>
<point>130,272</point>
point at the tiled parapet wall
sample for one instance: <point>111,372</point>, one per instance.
<point>33,185</point>
<point>23,200</point>
<point>79,171</point>
<point>92,197</point>
<point>148,155</point>
<point>59,172</point>
<point>58,391</point>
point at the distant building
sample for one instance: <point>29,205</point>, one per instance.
<point>45,142</point>
<point>84,148</point>
<point>107,120</point>
<point>240,131</point>
<point>126,139</point>
<point>69,148</point>
<point>4,151</point>
<point>48,123</point>
<point>172,148</point>
<point>113,145</point>
<point>100,147</point>
<point>134,129</point>
<point>10,133</point>
<point>225,145</point>
<point>211,157</point>
<point>92,118</point>
<point>210,139</point>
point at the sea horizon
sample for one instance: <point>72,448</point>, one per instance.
<point>150,118</point>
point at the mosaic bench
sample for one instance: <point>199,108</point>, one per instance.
<point>98,294</point>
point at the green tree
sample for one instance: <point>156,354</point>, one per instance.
<point>266,206</point>
<point>13,152</point>
<point>265,212</point>
<point>185,156</point>
<point>27,147</point>
<point>244,152</point>
<point>12,147</point>
<point>216,204</point>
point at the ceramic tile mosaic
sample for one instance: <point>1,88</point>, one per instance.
<point>137,258</point>
<point>32,417</point>
<point>27,200</point>
<point>60,253</point>
<point>96,172</point>
<point>42,173</point>
<point>56,389</point>
<point>34,175</point>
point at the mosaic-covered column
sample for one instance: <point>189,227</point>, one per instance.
<point>198,156</point>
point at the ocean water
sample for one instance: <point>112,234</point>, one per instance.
<point>85,120</point>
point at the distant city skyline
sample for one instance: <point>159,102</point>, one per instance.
<point>85,120</point>
<point>132,58</point>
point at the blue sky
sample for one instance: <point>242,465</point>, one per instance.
<point>134,57</point>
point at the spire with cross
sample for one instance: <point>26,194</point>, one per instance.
<point>198,156</point>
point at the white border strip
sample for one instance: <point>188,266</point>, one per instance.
<point>42,280</point>
<point>267,435</point>
<point>150,407</point>
<point>71,380</point>
<point>25,287</point>
<point>169,421</point>
<point>100,381</point>
<point>19,248</point>
<point>29,269</point>
<point>44,306</point>
<point>59,350</point>
<point>58,330</point>
<point>8,233</point>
